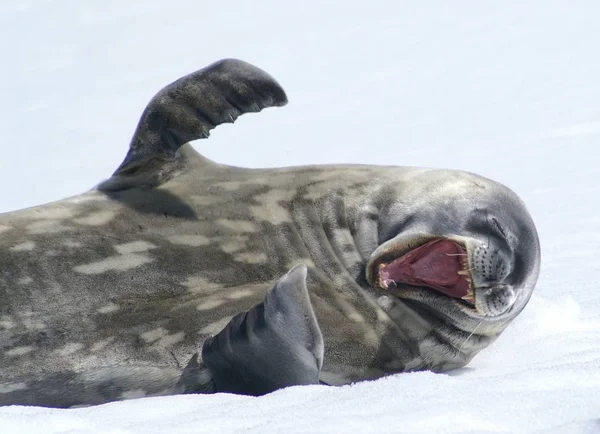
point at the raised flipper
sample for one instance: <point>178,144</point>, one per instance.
<point>188,109</point>
<point>277,343</point>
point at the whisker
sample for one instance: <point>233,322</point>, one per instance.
<point>471,334</point>
<point>470,270</point>
<point>456,254</point>
<point>487,217</point>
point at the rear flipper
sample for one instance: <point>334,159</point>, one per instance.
<point>187,110</point>
<point>277,343</point>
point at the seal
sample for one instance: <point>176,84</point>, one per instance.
<point>181,275</point>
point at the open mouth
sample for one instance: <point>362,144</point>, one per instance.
<point>439,264</point>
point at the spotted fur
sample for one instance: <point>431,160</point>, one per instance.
<point>107,295</point>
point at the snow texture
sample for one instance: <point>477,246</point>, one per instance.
<point>510,90</point>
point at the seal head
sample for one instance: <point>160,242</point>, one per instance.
<point>458,248</point>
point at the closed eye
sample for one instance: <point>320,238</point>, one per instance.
<point>499,227</point>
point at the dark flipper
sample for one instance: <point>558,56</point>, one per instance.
<point>188,109</point>
<point>277,343</point>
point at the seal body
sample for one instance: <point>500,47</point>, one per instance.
<point>108,295</point>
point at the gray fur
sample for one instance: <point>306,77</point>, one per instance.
<point>107,295</point>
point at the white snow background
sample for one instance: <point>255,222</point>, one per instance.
<point>507,89</point>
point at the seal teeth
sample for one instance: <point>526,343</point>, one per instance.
<point>383,283</point>
<point>469,298</point>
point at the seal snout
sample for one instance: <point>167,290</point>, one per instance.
<point>490,266</point>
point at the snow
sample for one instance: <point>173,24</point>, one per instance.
<point>509,90</point>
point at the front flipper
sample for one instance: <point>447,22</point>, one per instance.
<point>188,109</point>
<point>277,343</point>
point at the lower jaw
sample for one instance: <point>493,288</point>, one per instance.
<point>428,297</point>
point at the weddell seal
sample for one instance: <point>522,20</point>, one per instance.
<point>181,275</point>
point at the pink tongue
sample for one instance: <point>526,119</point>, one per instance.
<point>435,264</point>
